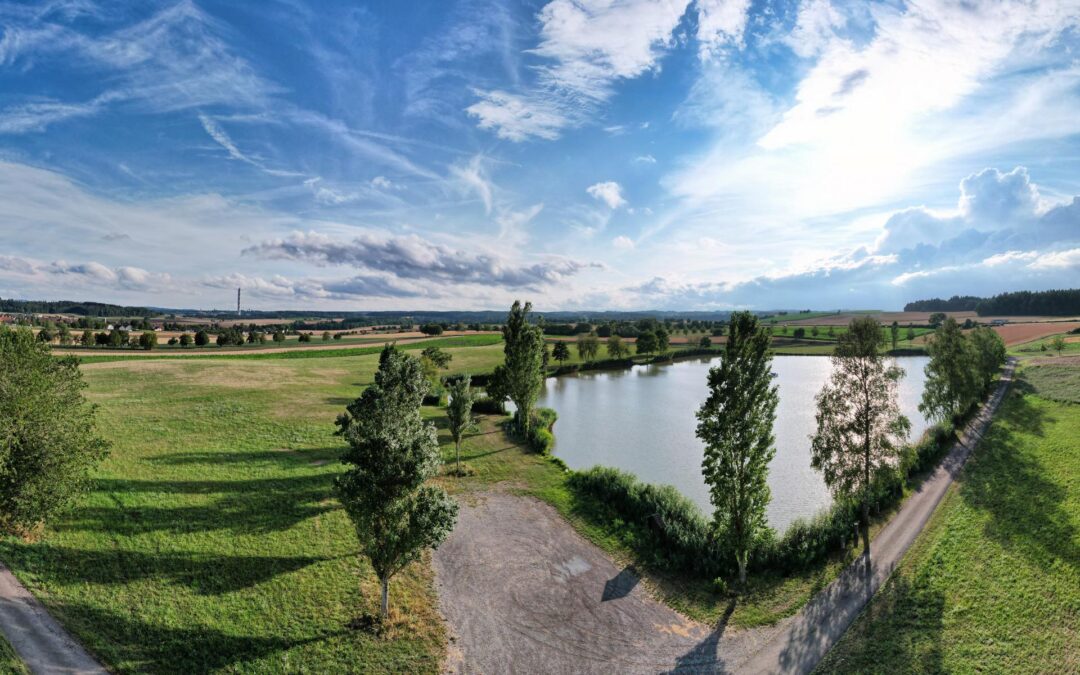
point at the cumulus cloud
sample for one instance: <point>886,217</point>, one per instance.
<point>622,243</point>
<point>412,257</point>
<point>998,238</point>
<point>720,22</point>
<point>608,192</point>
<point>279,287</point>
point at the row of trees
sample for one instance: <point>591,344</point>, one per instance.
<point>1021,303</point>
<point>860,431</point>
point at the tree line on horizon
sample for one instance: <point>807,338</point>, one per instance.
<point>1064,302</point>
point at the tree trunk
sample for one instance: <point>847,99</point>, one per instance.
<point>742,568</point>
<point>866,526</point>
<point>385,609</point>
<point>457,455</point>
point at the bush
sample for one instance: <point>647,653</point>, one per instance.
<point>489,406</point>
<point>662,525</point>
<point>48,445</point>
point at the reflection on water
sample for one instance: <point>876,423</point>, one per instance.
<point>642,420</point>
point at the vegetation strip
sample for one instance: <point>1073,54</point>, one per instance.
<point>821,623</point>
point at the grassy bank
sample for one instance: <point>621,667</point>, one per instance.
<point>10,664</point>
<point>993,584</point>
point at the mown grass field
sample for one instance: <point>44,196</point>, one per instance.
<point>993,583</point>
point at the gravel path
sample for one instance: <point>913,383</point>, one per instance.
<point>45,647</point>
<point>524,593</point>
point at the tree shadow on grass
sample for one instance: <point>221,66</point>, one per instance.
<point>900,631</point>
<point>140,646</point>
<point>204,574</point>
<point>284,456</point>
<point>252,506</point>
<point>1006,481</point>
<point>705,657</point>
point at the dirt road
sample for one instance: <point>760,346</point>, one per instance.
<point>524,593</point>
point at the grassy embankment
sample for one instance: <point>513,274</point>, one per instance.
<point>993,583</point>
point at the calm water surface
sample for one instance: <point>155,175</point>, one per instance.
<point>642,420</point>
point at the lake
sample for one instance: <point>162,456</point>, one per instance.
<point>643,421</point>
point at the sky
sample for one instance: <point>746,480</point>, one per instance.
<point>581,154</point>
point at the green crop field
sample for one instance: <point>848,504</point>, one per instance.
<point>993,584</point>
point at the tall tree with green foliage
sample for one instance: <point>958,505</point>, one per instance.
<point>736,425</point>
<point>616,349</point>
<point>952,378</point>
<point>894,333</point>
<point>646,342</point>
<point>663,339</point>
<point>459,414</point>
<point>392,452</point>
<point>523,348</point>
<point>860,430</point>
<point>560,352</point>
<point>588,345</point>
<point>990,354</point>
<point>48,442</point>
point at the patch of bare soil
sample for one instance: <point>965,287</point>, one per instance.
<point>523,592</point>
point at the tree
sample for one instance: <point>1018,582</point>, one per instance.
<point>87,339</point>
<point>326,336</point>
<point>392,452</point>
<point>646,342</point>
<point>48,443</point>
<point>705,342</point>
<point>202,338</point>
<point>588,345</point>
<point>523,347</point>
<point>937,318</point>
<point>440,358</point>
<point>799,333</point>
<point>304,337</point>
<point>910,335</point>
<point>560,352</point>
<point>279,336</point>
<point>952,379</point>
<point>64,334</point>
<point>431,329</point>
<point>459,414</point>
<point>148,340</point>
<point>1058,343</point>
<point>663,339</point>
<point>185,340</point>
<point>990,353</point>
<point>45,335</point>
<point>338,336</point>
<point>736,425</point>
<point>894,333</point>
<point>860,431</point>
<point>814,331</point>
<point>615,347</point>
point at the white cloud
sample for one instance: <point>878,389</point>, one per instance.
<point>645,159</point>
<point>1058,260</point>
<point>471,177</point>
<point>518,118</point>
<point>384,183</point>
<point>622,243</point>
<point>815,27</point>
<point>720,23</point>
<point>512,223</point>
<point>608,192</point>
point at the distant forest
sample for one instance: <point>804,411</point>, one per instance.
<point>72,307</point>
<point>1020,303</point>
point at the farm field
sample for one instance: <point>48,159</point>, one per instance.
<point>992,583</point>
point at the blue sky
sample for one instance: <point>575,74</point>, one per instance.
<point>584,154</point>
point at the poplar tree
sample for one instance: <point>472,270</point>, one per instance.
<point>459,414</point>
<point>860,431</point>
<point>524,359</point>
<point>392,452</point>
<point>736,424</point>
